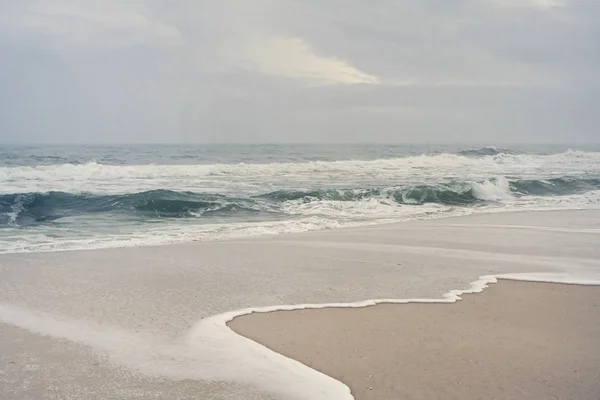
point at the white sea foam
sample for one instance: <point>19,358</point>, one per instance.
<point>495,190</point>
<point>232,178</point>
<point>16,209</point>
<point>136,235</point>
<point>211,349</point>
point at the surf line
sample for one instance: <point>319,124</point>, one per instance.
<point>324,387</point>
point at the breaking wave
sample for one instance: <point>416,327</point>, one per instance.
<point>25,209</point>
<point>65,200</point>
<point>31,208</point>
<point>453,193</point>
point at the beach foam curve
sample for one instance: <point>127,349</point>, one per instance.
<point>212,351</point>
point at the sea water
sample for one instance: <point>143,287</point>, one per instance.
<point>84,197</point>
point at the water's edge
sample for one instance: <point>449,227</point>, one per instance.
<point>339,390</point>
<point>256,364</point>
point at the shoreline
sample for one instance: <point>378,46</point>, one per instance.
<point>364,225</point>
<point>353,345</point>
<point>163,311</point>
<point>267,360</point>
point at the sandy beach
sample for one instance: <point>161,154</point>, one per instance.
<point>516,340</point>
<point>150,322</point>
<point>299,200</point>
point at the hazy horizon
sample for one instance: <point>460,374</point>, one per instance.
<point>485,72</point>
<point>473,144</point>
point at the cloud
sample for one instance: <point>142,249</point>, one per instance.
<point>293,58</point>
<point>86,23</point>
<point>541,4</point>
<point>236,70</point>
<point>459,83</point>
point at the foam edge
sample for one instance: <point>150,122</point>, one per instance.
<point>329,388</point>
<point>212,351</point>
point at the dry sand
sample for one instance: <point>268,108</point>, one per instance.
<point>517,340</point>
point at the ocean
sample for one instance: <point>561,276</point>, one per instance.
<point>84,197</point>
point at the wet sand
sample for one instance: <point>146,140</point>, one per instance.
<point>135,323</point>
<point>516,340</point>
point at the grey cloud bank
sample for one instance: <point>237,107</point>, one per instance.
<point>287,71</point>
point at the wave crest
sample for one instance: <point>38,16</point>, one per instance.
<point>32,208</point>
<point>35,208</point>
<point>487,151</point>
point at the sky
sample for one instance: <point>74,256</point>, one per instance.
<point>241,71</point>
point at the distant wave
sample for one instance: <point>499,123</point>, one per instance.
<point>22,209</point>
<point>487,151</point>
<point>232,178</point>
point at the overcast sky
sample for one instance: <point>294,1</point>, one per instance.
<point>299,71</point>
